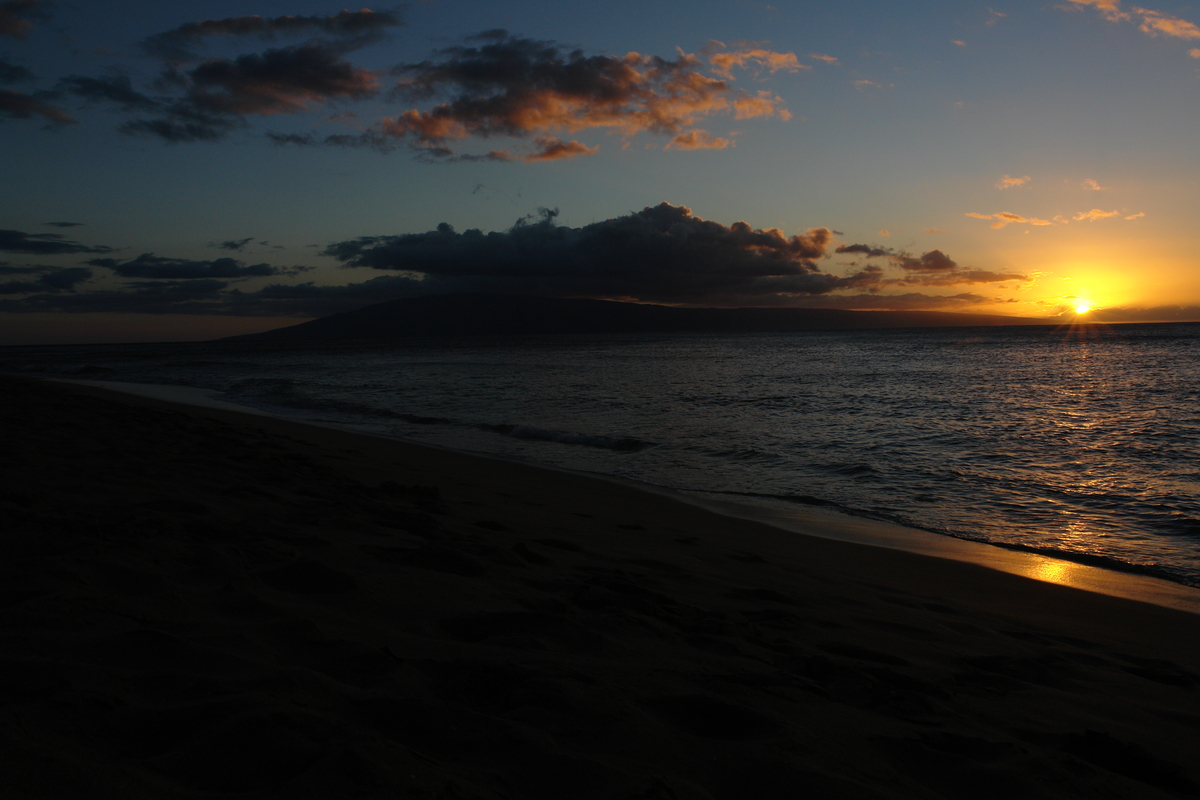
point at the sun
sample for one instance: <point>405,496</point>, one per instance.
<point>1083,307</point>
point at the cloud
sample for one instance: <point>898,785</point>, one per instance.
<point>1003,218</point>
<point>44,244</point>
<point>933,268</point>
<point>662,253</point>
<point>1110,9</point>
<point>1095,214</point>
<point>1092,186</point>
<point>699,140</point>
<point>506,86</point>
<point>823,57</point>
<point>15,16</point>
<point>1149,21</point>
<point>23,106</point>
<point>220,93</point>
<point>865,249</point>
<point>1008,182</point>
<point>358,27</point>
<point>933,230</point>
<point>148,265</point>
<point>552,149</point>
<point>753,58</point>
<point>64,224</point>
<point>1156,22</point>
<point>1138,215</point>
<point>232,244</point>
<point>13,73</point>
<point>933,261</point>
<point>115,89</point>
<point>278,81</point>
<point>995,16</point>
<point>50,279</point>
<point>958,42</point>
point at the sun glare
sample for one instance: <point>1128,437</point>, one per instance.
<point>1083,308</point>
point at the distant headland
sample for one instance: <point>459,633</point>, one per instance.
<point>511,315</point>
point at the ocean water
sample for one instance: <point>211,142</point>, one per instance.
<point>1082,442</point>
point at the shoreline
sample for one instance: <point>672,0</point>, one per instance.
<point>198,602</point>
<point>822,523</point>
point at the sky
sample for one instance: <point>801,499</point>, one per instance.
<point>188,171</point>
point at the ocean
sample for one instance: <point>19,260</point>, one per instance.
<point>1081,442</point>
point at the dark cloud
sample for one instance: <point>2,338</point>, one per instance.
<point>502,85</point>
<point>220,93</point>
<point>115,89</point>
<point>233,244</point>
<point>277,81</point>
<point>933,268</point>
<point>64,224</point>
<point>867,250</point>
<point>185,125</point>
<point>50,280</point>
<point>354,28</point>
<point>44,244</point>
<point>663,253</point>
<point>15,16</point>
<point>12,73</point>
<point>23,106</point>
<point>933,261</point>
<point>148,265</point>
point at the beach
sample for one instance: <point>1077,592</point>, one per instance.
<point>200,603</point>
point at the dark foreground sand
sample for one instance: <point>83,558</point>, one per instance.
<point>202,604</point>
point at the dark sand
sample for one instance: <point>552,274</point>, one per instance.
<point>196,603</point>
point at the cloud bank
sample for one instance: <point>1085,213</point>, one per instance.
<point>662,253</point>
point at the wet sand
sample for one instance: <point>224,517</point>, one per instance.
<point>200,603</point>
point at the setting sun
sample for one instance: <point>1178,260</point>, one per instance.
<point>1083,308</point>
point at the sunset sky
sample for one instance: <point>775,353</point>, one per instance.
<point>185,171</point>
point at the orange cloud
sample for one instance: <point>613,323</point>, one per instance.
<point>523,88</point>
<point>823,57</point>
<point>1092,185</point>
<point>1138,215</point>
<point>958,42</point>
<point>1002,218</point>
<point>1149,21</point>
<point>1011,183</point>
<point>1095,214</point>
<point>1194,52</point>
<point>1156,22</point>
<point>551,149</point>
<point>1109,8</point>
<point>699,140</point>
<point>723,63</point>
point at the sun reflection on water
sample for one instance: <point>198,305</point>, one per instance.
<point>1052,570</point>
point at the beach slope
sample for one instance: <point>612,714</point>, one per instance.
<point>196,603</point>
